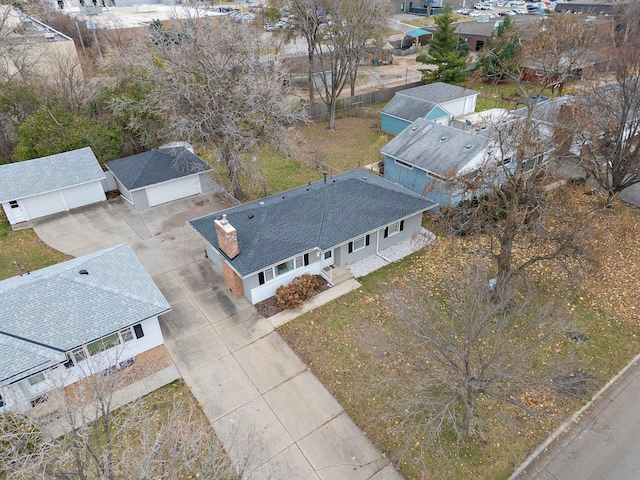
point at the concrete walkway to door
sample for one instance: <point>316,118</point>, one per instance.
<point>273,417</point>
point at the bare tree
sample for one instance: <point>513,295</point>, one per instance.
<point>504,196</point>
<point>88,436</point>
<point>216,84</point>
<point>609,117</point>
<point>343,45</point>
<point>307,19</point>
<point>466,344</point>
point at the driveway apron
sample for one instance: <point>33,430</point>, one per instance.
<point>274,418</point>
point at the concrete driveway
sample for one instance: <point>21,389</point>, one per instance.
<point>159,236</point>
<point>273,417</point>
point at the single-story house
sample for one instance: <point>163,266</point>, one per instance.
<point>48,185</point>
<point>557,72</point>
<point>70,320</point>
<point>477,33</point>
<point>438,102</point>
<point>422,157</point>
<point>264,244</point>
<point>160,176</point>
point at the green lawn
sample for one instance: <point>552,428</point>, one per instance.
<point>25,248</point>
<point>343,343</point>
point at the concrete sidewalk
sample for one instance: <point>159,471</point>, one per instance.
<point>273,416</point>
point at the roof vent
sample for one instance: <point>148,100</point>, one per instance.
<point>442,139</point>
<point>468,147</point>
<point>413,129</point>
<point>83,272</point>
<point>261,203</point>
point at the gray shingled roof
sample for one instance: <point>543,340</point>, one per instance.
<point>433,147</point>
<point>407,108</point>
<point>56,309</point>
<point>437,93</point>
<point>46,174</point>
<point>546,111</point>
<point>485,29</point>
<point>156,166</point>
<point>321,215</point>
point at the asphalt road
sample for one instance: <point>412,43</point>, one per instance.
<point>605,444</point>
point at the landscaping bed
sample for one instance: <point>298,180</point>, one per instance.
<point>270,307</point>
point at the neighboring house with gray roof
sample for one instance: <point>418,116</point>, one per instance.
<point>426,154</point>
<point>70,320</point>
<point>267,243</point>
<point>48,185</point>
<point>160,176</point>
<point>438,102</point>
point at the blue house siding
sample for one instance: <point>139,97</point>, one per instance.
<point>419,182</point>
<point>392,125</point>
<point>439,113</point>
<point>412,179</point>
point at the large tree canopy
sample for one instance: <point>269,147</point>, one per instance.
<point>55,129</point>
<point>219,85</point>
<point>446,51</point>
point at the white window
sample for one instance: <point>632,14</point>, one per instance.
<point>35,379</point>
<point>126,335</point>
<point>79,354</point>
<point>394,228</point>
<point>358,244</point>
<point>103,344</point>
<point>284,267</point>
<point>299,261</point>
<point>265,276</point>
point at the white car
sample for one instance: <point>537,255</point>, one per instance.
<point>482,6</point>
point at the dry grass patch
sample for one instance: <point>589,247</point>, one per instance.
<point>25,248</point>
<point>355,142</point>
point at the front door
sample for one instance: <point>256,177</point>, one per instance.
<point>16,213</point>
<point>327,258</point>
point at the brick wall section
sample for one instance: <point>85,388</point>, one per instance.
<point>227,238</point>
<point>232,280</point>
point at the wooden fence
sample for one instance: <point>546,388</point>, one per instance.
<point>320,109</point>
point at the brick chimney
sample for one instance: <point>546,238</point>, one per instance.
<point>227,237</point>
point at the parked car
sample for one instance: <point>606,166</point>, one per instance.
<point>509,13</point>
<point>463,11</point>
<point>520,11</point>
<point>492,15</point>
<point>269,28</point>
<point>482,6</point>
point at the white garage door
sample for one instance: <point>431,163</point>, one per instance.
<point>180,188</point>
<point>45,204</point>
<point>84,194</point>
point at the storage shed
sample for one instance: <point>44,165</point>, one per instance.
<point>48,185</point>
<point>160,176</point>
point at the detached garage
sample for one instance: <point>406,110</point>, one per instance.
<point>160,176</point>
<point>48,185</point>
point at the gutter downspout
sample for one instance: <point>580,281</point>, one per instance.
<point>378,245</point>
